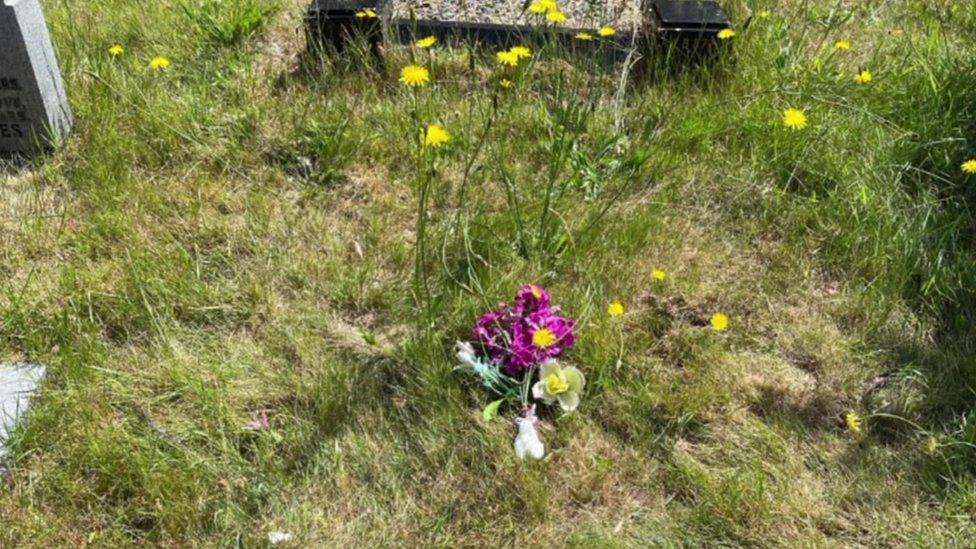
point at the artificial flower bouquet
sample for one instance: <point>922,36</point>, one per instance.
<point>516,353</point>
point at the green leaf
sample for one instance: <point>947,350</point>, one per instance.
<point>491,411</point>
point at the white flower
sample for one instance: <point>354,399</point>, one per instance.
<point>559,384</point>
<point>527,442</point>
<point>465,353</point>
<point>278,537</point>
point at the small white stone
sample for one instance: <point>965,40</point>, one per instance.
<point>18,382</point>
<point>279,537</point>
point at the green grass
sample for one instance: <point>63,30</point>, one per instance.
<point>240,233</point>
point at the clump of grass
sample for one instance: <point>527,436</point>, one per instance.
<point>228,23</point>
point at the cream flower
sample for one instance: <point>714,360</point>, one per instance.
<point>559,384</point>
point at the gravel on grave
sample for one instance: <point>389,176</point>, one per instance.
<point>620,14</point>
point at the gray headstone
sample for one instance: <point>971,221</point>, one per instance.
<point>18,383</point>
<point>34,112</point>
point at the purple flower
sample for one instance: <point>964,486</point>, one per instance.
<point>492,332</point>
<point>537,338</point>
<point>526,333</point>
<point>530,299</point>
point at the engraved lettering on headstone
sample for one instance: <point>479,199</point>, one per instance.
<point>34,110</point>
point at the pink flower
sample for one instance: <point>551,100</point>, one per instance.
<point>526,333</point>
<point>492,332</point>
<point>539,337</point>
<point>530,299</point>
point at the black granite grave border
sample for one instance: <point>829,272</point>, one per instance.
<point>689,27</point>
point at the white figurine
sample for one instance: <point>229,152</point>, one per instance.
<point>527,442</point>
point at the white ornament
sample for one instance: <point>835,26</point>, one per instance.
<point>527,442</point>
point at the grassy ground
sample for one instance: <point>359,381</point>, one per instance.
<point>239,232</point>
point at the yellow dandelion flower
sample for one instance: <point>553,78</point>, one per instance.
<point>543,6</point>
<point>543,338</point>
<point>863,77</point>
<point>435,136</point>
<point>843,45</point>
<point>615,309</point>
<point>521,52</point>
<point>505,83</point>
<point>853,422</point>
<point>969,166</point>
<point>726,34</point>
<point>720,322</point>
<point>556,16</point>
<point>932,446</point>
<point>427,42</point>
<point>507,58</point>
<point>794,119</point>
<point>659,275</point>
<point>159,63</point>
<point>367,13</point>
<point>606,31</point>
<point>584,36</point>
<point>763,14</point>
<point>414,76</point>
<point>117,50</point>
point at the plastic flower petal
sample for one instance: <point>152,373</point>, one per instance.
<point>559,384</point>
<point>537,338</point>
<point>726,34</point>
<point>414,76</point>
<point>543,338</point>
<point>488,374</point>
<point>969,166</point>
<point>530,299</point>
<point>492,332</point>
<point>435,136</point>
<point>794,119</point>
<point>720,322</point>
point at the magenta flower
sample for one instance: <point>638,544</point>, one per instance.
<point>525,334</point>
<point>492,331</point>
<point>530,299</point>
<point>539,337</point>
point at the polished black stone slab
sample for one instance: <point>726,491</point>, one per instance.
<point>688,14</point>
